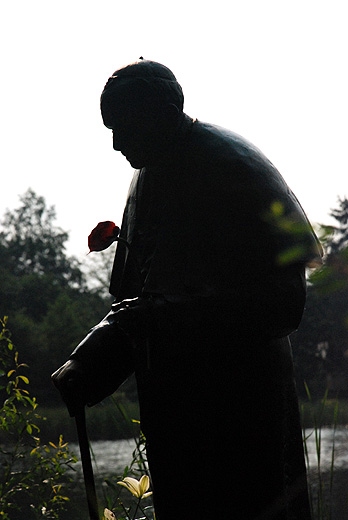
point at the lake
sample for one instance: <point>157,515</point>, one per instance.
<point>110,458</point>
<point>329,440</point>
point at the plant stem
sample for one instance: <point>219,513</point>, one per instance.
<point>136,509</point>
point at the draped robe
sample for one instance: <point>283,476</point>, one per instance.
<point>220,243</point>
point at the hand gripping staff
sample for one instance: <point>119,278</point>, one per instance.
<point>76,408</point>
<point>79,384</point>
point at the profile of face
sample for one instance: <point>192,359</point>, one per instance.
<point>137,127</point>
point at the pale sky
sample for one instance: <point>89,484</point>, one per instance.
<point>273,71</point>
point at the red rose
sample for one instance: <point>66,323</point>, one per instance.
<point>103,236</point>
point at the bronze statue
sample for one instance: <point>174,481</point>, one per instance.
<point>204,304</point>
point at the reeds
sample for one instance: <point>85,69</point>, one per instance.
<point>320,487</point>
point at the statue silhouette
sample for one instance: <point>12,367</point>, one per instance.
<point>204,313</point>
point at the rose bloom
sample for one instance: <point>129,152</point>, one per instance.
<point>102,236</point>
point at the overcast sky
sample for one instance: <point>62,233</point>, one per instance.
<point>274,71</point>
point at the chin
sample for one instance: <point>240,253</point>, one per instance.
<point>136,163</point>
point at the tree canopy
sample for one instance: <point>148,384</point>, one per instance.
<point>43,290</point>
<point>32,244</point>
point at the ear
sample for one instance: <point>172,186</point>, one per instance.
<point>171,113</point>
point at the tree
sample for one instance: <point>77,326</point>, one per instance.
<point>44,291</point>
<point>98,269</point>
<point>34,267</point>
<point>338,239</point>
<point>321,344</point>
<point>31,244</point>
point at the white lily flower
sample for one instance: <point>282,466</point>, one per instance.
<point>138,488</point>
<point>109,515</point>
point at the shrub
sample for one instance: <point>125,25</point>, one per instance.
<point>32,475</point>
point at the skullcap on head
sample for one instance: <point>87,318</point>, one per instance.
<point>157,76</point>
<point>145,69</point>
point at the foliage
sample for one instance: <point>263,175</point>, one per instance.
<point>32,474</point>
<point>339,233</point>
<point>33,245</point>
<point>44,291</point>
<point>321,343</point>
<point>97,268</point>
<point>320,491</point>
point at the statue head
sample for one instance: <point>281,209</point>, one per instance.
<point>142,104</point>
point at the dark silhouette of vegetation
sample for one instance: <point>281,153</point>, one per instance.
<point>33,480</point>
<point>43,291</point>
<point>321,343</point>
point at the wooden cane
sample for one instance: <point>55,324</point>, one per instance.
<point>80,419</point>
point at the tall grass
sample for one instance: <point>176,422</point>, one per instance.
<point>319,414</point>
<point>105,422</point>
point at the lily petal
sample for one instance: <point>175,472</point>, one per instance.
<point>132,485</point>
<point>148,494</point>
<point>144,484</point>
<point>109,515</point>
